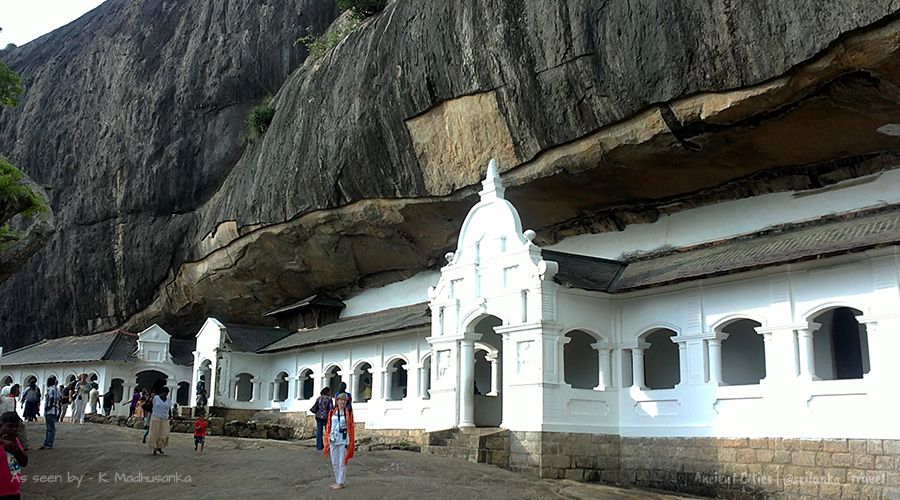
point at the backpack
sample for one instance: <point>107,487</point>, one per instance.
<point>321,409</point>
<point>32,395</point>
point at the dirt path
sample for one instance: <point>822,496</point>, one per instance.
<point>101,461</point>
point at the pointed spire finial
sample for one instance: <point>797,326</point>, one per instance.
<point>492,186</point>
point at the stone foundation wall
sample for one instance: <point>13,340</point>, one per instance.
<point>562,455</point>
<point>815,468</point>
<point>414,437</point>
<point>217,426</point>
<point>730,468</point>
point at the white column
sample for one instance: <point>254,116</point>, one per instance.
<point>715,358</point>
<point>683,361</point>
<point>603,368</point>
<point>637,367</point>
<point>233,389</point>
<point>421,387</point>
<point>807,352</point>
<point>351,386</point>
<point>257,389</point>
<point>467,383</point>
<point>386,383</point>
<point>495,388</point>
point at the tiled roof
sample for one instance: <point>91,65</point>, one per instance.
<point>584,272</point>
<point>113,346</point>
<point>317,300</point>
<point>781,245</point>
<point>250,338</point>
<point>388,320</point>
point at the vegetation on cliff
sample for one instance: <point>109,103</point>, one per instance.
<point>260,117</point>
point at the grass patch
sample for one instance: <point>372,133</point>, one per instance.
<point>318,46</point>
<point>260,118</point>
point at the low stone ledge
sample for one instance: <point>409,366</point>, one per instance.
<point>217,426</point>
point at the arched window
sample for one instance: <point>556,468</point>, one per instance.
<point>306,384</point>
<point>183,393</point>
<point>363,382</point>
<point>581,364</point>
<point>398,380</point>
<point>118,390</point>
<point>743,354</point>
<point>29,379</point>
<point>151,379</point>
<point>243,387</point>
<point>840,345</point>
<point>7,380</point>
<point>661,369</point>
<point>281,387</point>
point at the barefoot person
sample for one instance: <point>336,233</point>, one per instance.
<point>159,421</point>
<point>11,473</point>
<point>341,443</point>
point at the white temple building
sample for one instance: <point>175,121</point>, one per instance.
<point>116,359</point>
<point>773,316</point>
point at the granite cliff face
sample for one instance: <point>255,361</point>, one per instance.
<point>601,113</point>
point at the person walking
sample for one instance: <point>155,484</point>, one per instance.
<point>64,400</point>
<point>341,440</point>
<point>146,406</point>
<point>322,409</point>
<point>200,433</point>
<point>52,407</point>
<point>159,422</point>
<point>135,399</point>
<point>31,399</point>
<point>82,393</point>
<point>94,397</point>
<point>108,401</point>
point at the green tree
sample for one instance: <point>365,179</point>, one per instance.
<point>19,196</point>
<point>11,88</point>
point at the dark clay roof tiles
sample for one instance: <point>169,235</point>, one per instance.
<point>388,320</point>
<point>112,346</point>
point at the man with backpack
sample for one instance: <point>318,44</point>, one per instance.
<point>322,408</point>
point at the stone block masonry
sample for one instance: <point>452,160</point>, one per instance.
<point>722,467</point>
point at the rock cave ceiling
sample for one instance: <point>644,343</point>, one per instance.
<point>370,209</point>
<point>826,121</point>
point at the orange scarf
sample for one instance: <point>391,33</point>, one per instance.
<point>351,435</point>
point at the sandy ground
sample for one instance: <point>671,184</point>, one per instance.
<point>101,461</point>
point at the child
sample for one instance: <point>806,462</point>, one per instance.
<point>200,432</point>
<point>11,474</point>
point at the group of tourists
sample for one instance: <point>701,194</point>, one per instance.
<point>335,434</point>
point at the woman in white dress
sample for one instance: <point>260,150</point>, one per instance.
<point>159,422</point>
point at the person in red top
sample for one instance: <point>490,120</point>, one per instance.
<point>200,433</point>
<point>11,470</point>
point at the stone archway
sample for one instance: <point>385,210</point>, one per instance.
<point>153,380</point>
